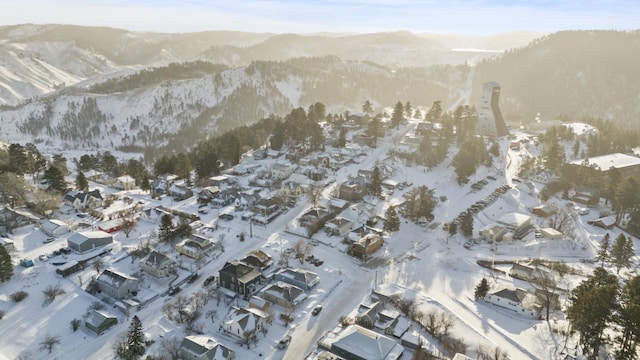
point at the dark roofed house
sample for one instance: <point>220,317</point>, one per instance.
<point>116,284</point>
<point>158,264</point>
<point>239,277</point>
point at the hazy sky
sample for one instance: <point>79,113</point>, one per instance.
<point>282,16</point>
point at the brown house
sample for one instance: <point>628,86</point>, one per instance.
<point>366,246</point>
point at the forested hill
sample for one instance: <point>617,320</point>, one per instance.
<point>569,73</point>
<point>182,103</point>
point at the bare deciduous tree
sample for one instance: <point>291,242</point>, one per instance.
<point>49,342</point>
<point>51,292</point>
<point>171,348</point>
<point>302,249</point>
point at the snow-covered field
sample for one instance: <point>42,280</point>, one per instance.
<point>421,263</point>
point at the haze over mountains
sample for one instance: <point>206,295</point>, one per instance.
<point>91,87</point>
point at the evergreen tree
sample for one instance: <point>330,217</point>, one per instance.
<point>167,229</point>
<point>6,266</point>
<point>342,138</point>
<point>603,251</point>
<point>481,289</point>
<point>135,338</point>
<point>55,179</point>
<point>144,184</point>
<point>81,182</point>
<point>435,113</point>
<point>622,252</point>
<point>466,226</point>
<point>591,309</point>
<point>398,115</point>
<point>374,128</point>
<point>628,319</point>
<point>391,221</point>
<point>367,108</point>
<point>277,137</point>
<point>376,182</point>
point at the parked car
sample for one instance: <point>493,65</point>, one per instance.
<point>208,281</point>
<point>43,258</point>
<point>192,278</point>
<point>226,216</point>
<point>65,250</point>
<point>174,290</point>
<point>49,239</point>
<point>203,210</point>
<point>316,310</point>
<point>284,342</point>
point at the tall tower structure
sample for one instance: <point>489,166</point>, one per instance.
<point>490,120</point>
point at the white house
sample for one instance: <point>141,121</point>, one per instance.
<point>517,300</point>
<point>125,182</point>
<point>243,323</point>
<point>281,171</point>
<point>158,264</point>
<point>200,347</point>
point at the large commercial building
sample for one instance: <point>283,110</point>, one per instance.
<point>490,120</point>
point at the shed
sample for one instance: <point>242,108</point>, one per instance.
<point>99,321</point>
<point>83,242</point>
<point>551,233</point>
<point>54,227</point>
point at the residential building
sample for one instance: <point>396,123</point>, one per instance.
<point>365,246</point>
<point>301,278</point>
<point>283,294</point>
<point>517,300</point>
<point>266,210</point>
<point>180,192</point>
<point>116,284</point>
<point>358,343</point>
<point>239,277</point>
<point>258,259</point>
<point>338,226</point>
<point>158,264</point>
<point>201,347</point>
<point>195,247</point>
<point>125,182</point>
<point>245,323</point>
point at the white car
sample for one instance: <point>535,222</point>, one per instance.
<point>43,257</point>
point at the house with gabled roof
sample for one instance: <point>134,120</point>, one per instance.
<point>116,284</point>
<point>180,192</point>
<point>365,246</point>
<point>195,247</point>
<point>338,226</point>
<point>281,171</point>
<point>265,210</point>
<point>125,182</point>
<point>158,264</point>
<point>283,294</point>
<point>201,347</point>
<point>258,259</point>
<point>207,194</point>
<point>84,200</point>
<point>301,278</point>
<point>242,322</point>
<point>514,299</point>
<point>239,277</point>
<point>356,342</point>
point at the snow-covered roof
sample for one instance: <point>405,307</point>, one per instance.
<point>616,160</point>
<point>514,219</point>
<point>367,344</point>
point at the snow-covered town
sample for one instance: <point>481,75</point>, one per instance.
<point>288,255</point>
